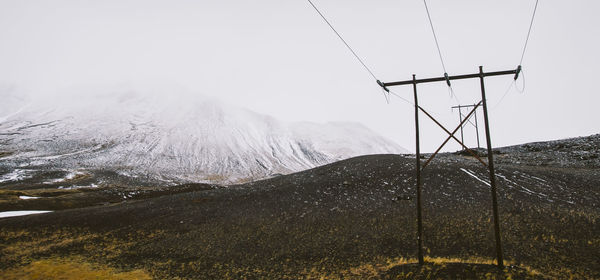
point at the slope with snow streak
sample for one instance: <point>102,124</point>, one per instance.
<point>181,139</point>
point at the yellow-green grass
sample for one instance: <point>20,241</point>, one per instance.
<point>70,268</point>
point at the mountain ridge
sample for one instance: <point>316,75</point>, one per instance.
<point>186,139</point>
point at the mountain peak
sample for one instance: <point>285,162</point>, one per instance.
<point>183,138</point>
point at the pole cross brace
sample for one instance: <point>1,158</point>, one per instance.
<point>452,136</point>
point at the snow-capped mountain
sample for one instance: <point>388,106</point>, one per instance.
<point>177,137</point>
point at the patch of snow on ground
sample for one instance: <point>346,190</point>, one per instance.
<point>28,197</point>
<point>15,175</point>
<point>7,214</point>
<point>78,187</point>
<point>506,179</point>
<point>475,176</point>
<point>68,177</point>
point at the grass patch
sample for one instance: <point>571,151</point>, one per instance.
<point>434,268</point>
<point>73,268</point>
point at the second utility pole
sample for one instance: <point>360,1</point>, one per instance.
<point>459,107</point>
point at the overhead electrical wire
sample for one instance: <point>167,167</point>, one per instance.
<point>402,98</point>
<point>451,90</point>
<point>387,98</point>
<point>343,41</point>
<point>510,86</point>
<point>522,79</point>
<point>513,83</point>
<point>529,32</point>
<point>437,44</point>
<point>385,92</point>
<point>434,36</point>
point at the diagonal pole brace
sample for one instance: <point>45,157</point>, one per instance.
<point>472,124</point>
<point>452,134</point>
<point>450,137</point>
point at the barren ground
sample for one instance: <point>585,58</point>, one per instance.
<point>351,219</point>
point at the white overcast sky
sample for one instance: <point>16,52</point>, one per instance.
<point>278,57</point>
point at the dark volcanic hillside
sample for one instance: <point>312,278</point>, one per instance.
<point>351,219</point>
<point>581,152</point>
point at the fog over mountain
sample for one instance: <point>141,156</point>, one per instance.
<point>178,137</point>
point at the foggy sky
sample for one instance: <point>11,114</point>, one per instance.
<point>279,58</point>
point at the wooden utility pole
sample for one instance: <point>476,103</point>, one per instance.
<point>492,173</point>
<point>459,107</point>
<point>490,164</point>
<point>418,157</point>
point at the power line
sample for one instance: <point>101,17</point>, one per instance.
<point>450,89</point>
<point>389,92</point>
<point>510,86</point>
<point>434,36</point>
<point>514,83</point>
<point>452,94</point>
<point>344,41</point>
<point>528,32</point>
<point>522,79</point>
<point>402,98</point>
<point>385,94</point>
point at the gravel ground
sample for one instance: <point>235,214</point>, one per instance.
<point>351,219</point>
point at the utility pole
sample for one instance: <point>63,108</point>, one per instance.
<point>476,125</point>
<point>492,174</point>
<point>462,137</point>
<point>418,151</point>
<point>490,164</point>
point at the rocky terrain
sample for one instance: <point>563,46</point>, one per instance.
<point>352,219</point>
<point>580,152</point>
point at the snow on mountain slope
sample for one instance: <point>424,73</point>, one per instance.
<point>175,137</point>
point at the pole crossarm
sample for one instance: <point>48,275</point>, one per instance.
<point>452,136</point>
<point>463,106</point>
<point>458,77</point>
